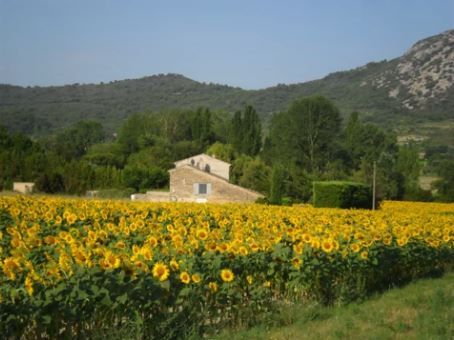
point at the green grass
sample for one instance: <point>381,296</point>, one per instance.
<point>421,310</point>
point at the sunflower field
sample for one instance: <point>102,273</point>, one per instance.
<point>87,268</point>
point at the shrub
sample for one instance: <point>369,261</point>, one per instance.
<point>341,194</point>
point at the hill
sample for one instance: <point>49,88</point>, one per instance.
<point>414,92</point>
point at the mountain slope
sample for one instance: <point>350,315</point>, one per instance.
<point>416,87</point>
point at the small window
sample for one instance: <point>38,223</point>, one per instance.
<point>203,188</point>
<point>207,168</point>
<point>192,162</point>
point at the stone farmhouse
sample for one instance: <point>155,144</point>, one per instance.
<point>201,178</point>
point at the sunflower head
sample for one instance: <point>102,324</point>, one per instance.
<point>227,275</point>
<point>196,278</point>
<point>185,277</point>
<point>160,271</point>
<point>213,286</point>
<point>202,234</point>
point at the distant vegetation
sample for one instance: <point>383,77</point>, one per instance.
<point>43,110</point>
<point>306,143</point>
<point>126,134</point>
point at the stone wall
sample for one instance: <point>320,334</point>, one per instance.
<point>154,196</point>
<point>182,180</point>
<point>217,166</point>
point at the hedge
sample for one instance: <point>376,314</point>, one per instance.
<point>341,194</point>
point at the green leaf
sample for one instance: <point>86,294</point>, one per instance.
<point>46,319</point>
<point>165,285</point>
<point>122,298</point>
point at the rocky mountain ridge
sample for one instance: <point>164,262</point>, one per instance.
<point>415,88</point>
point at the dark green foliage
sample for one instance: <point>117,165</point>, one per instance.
<point>74,141</point>
<point>142,179</point>
<point>419,195</point>
<point>202,127</point>
<point>446,184</point>
<point>50,181</point>
<point>409,165</point>
<point>277,187</point>
<point>307,141</point>
<point>246,132</point>
<point>364,141</point>
<point>305,133</point>
<point>106,154</point>
<point>225,152</point>
<point>341,194</point>
<point>255,175</point>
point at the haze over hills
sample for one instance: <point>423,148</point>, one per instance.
<point>414,92</point>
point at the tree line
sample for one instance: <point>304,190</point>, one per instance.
<point>305,143</point>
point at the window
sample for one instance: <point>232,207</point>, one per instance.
<point>203,188</point>
<point>207,168</point>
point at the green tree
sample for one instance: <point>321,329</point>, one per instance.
<point>73,142</point>
<point>306,132</point>
<point>251,173</point>
<point>277,186</point>
<point>106,154</point>
<point>256,176</point>
<point>365,141</point>
<point>409,165</point>
<point>202,127</point>
<point>225,152</point>
<point>445,185</point>
<point>246,131</point>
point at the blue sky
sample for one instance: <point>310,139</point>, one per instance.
<point>251,44</point>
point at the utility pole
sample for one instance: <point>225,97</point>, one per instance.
<point>373,185</point>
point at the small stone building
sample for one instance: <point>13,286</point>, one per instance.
<point>201,178</point>
<point>24,187</point>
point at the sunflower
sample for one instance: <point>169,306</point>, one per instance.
<point>296,262</point>
<point>213,286</point>
<point>211,246</point>
<point>298,248</point>
<point>307,238</point>
<point>387,240</point>
<point>111,260</point>
<point>255,247</point>
<point>355,247</point>
<point>160,271</point>
<point>185,277</point>
<point>120,245</point>
<point>364,255</point>
<point>71,219</point>
<point>202,234</point>
<point>141,266</point>
<point>243,250</point>
<point>29,285</point>
<point>315,243</point>
<point>327,245</point>
<point>174,265</point>
<point>152,241</point>
<point>402,241</point>
<point>196,278</point>
<point>227,275</point>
